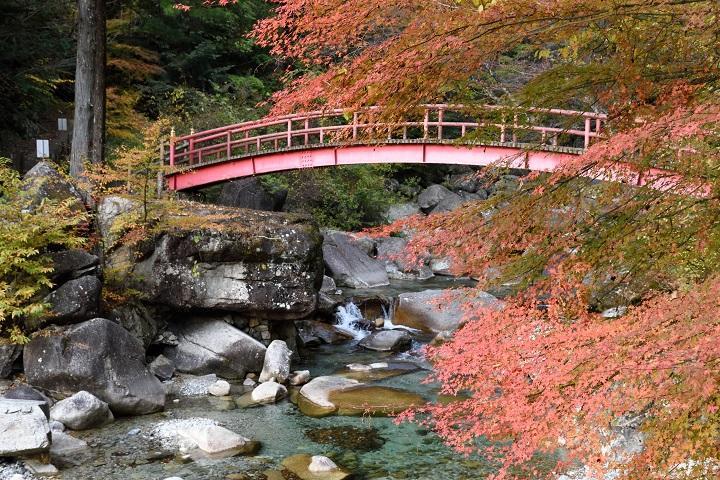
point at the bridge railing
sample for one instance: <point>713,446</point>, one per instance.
<point>437,123</point>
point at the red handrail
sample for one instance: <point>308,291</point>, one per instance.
<point>276,133</point>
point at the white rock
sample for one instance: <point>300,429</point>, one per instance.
<point>81,411</point>
<point>318,389</point>
<point>378,365</point>
<point>358,367</point>
<point>321,463</point>
<point>24,426</point>
<point>276,366</point>
<point>41,469</point>
<point>214,439</point>
<point>249,382</point>
<point>268,392</point>
<point>299,377</point>
<point>219,388</point>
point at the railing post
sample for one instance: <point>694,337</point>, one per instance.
<point>289,135</point>
<point>587,132</point>
<point>598,126</point>
<point>172,147</point>
<point>322,135</point>
<point>160,171</point>
<point>229,145</point>
<point>440,121</point>
<point>247,143</point>
<point>425,123</point>
<point>191,146</point>
<point>355,125</point>
<point>515,126</point>
<point>307,126</point>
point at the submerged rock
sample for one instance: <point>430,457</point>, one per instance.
<point>24,426</point>
<point>276,365</point>
<point>314,398</point>
<point>349,265</point>
<point>347,438</point>
<point>68,451</point>
<point>204,434</point>
<point>437,310</point>
<point>81,412</point>
<point>212,346</point>
<point>374,400</point>
<point>387,341</point>
<point>98,356</point>
<point>323,467</point>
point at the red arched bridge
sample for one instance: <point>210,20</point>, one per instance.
<point>535,139</point>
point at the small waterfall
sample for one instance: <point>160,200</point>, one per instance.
<point>349,318</point>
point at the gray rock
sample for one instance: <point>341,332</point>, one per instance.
<point>276,365</point>
<point>24,426</point>
<point>505,184</point>
<point>67,451</point>
<point>75,301</point>
<point>449,203</point>
<point>138,320</point>
<point>472,197</point>
<point>213,439</point>
<point>391,250</point>
<point>212,346</point>
<point>433,195</point>
<point>8,354</point>
<point>56,426</point>
<point>299,377</point>
<point>260,264</point>
<point>192,386</point>
<point>26,392</point>
<point>312,332</point>
<point>81,412</point>
<point>328,285</point>
<point>467,182</point>
<point>44,180</point>
<point>441,266</point>
<point>39,468</point>
<point>73,263</point>
<point>400,211</point>
<point>268,392</point>
<point>220,388</point>
<point>427,310</point>
<point>162,367</point>
<point>98,356</point>
<point>250,193</point>
<point>387,341</point>
<point>349,265</point>
<point>109,211</point>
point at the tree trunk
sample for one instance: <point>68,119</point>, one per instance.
<point>87,139</point>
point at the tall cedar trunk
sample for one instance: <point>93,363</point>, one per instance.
<point>87,140</point>
<point>99,101</point>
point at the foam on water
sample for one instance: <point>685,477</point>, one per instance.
<point>349,317</point>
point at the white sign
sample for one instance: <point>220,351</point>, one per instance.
<point>43,148</point>
<point>62,124</point>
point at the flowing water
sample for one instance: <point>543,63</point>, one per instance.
<point>371,447</point>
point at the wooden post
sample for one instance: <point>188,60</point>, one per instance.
<point>172,146</point>
<point>425,123</point>
<point>587,132</point>
<point>440,120</point>
<point>289,135</point>
<point>228,151</point>
<point>160,171</point>
<point>355,125</point>
<point>307,135</point>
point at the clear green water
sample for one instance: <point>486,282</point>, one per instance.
<point>409,451</point>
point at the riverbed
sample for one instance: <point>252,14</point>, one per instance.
<point>370,447</point>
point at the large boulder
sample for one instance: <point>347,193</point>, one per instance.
<point>73,263</point>
<point>391,250</point>
<point>387,341</point>
<point>24,428</point>
<point>75,301</point>
<point>212,346</point>
<point>138,320</point>
<point>250,193</point>
<point>276,366</point>
<point>349,265</point>
<point>260,264</point>
<point>44,181</point>
<point>110,212</point>
<point>81,412</point>
<point>98,356</point>
<point>314,398</point>
<point>435,195</point>
<point>9,352</point>
<point>437,310</point>
<point>400,211</point>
